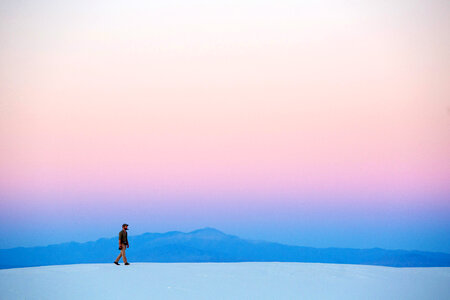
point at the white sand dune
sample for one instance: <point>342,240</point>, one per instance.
<point>248,280</point>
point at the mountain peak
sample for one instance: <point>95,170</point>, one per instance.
<point>208,231</point>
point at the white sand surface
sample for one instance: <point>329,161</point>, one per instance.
<point>248,280</point>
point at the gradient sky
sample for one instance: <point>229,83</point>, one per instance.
<point>315,123</point>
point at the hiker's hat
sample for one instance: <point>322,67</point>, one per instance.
<point>124,225</point>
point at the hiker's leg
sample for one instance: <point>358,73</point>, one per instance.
<point>118,257</point>
<point>123,254</point>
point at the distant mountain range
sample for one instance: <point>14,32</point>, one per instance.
<point>210,245</point>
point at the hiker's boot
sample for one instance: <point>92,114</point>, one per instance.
<point>126,264</point>
<point>117,263</point>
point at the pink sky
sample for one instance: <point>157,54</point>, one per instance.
<point>344,100</point>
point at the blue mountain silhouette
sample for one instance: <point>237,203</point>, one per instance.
<point>211,245</point>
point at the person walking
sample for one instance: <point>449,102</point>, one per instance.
<point>123,244</point>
